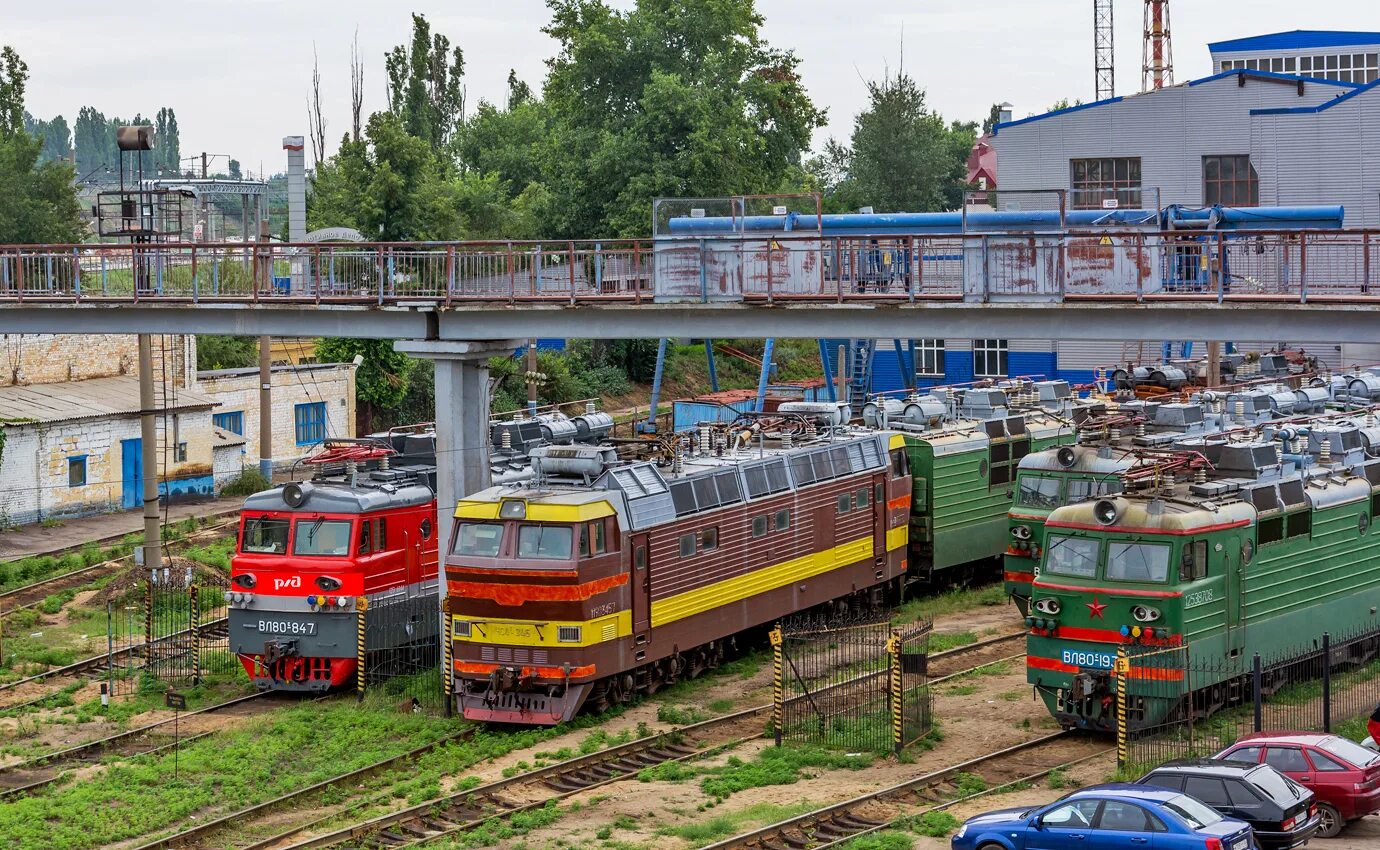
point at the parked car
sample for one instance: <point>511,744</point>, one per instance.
<point>1282,813</point>
<point>1343,775</point>
<point>1119,816</point>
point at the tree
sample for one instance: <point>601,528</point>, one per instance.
<point>424,84</point>
<point>903,157</point>
<point>1064,103</point>
<point>214,351</point>
<point>167,143</point>
<point>672,98</point>
<point>234,170</point>
<point>388,186</point>
<point>316,120</point>
<point>992,120</point>
<point>94,139</point>
<point>381,381</point>
<point>55,135</point>
<point>356,89</point>
<point>39,205</point>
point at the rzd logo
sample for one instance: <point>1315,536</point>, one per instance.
<point>281,583</point>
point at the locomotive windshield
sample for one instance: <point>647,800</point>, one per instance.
<point>1039,491</point>
<point>328,537</point>
<point>1083,489</point>
<point>265,536</point>
<point>1137,561</point>
<point>481,539</point>
<point>545,541</point>
<point>1072,556</point>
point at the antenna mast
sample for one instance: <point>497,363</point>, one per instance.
<point>1157,52</point>
<point>1104,51</point>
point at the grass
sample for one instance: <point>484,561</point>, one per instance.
<point>1058,780</point>
<point>949,602</point>
<point>772,766</point>
<point>679,715</point>
<point>944,641</point>
<point>706,830</point>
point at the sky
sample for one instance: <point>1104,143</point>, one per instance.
<point>237,72</point>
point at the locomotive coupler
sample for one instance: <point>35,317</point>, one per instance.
<point>279,648</point>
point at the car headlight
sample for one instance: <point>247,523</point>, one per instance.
<point>961,831</point>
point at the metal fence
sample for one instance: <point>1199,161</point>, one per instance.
<point>1172,705</point>
<point>851,685</point>
<point>169,628</point>
<point>1115,263</point>
<point>399,653</point>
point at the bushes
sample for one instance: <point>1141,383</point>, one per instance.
<point>247,483</point>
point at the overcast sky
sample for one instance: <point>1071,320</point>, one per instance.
<point>237,71</point>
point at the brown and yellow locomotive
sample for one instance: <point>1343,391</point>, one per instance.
<point>600,579</point>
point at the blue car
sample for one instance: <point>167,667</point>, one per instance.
<point>1118,816</point>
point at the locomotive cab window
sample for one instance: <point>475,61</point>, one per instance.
<point>845,501</point>
<point>1127,561</point>
<point>1038,491</point>
<point>759,526</point>
<point>1194,563</point>
<point>709,539</point>
<point>783,520</point>
<point>687,545</point>
<point>322,537</point>
<point>480,539</point>
<point>265,536</point>
<point>1072,556</point>
<point>545,542</point>
<point>900,464</point>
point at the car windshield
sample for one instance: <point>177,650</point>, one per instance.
<point>1038,491</point>
<point>1349,751</point>
<point>328,537</point>
<point>264,535</point>
<point>1072,556</point>
<point>1137,561</point>
<point>1194,813</point>
<point>1274,784</point>
<point>481,539</point>
<point>545,541</point>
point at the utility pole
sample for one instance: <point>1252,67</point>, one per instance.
<point>148,434</point>
<point>266,408</point>
<point>532,378</point>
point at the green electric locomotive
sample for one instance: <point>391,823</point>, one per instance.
<point>1245,544</point>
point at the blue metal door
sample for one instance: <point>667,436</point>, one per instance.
<point>132,473</point>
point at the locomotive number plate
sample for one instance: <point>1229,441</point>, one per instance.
<point>510,631</point>
<point>1100,660</point>
<point>286,627</point>
<point>1201,597</point>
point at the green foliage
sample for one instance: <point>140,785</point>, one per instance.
<point>936,824</point>
<point>969,784</point>
<point>214,351</point>
<point>943,641</point>
<point>247,483</point>
<point>774,766</point>
<point>679,715</point>
<point>885,840</point>
<point>425,92</point>
<point>380,381</point>
<point>902,156</point>
<point>667,771</point>
<point>1057,779</point>
<point>40,205</point>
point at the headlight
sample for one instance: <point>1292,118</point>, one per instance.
<point>1021,532</point>
<point>1047,606</point>
<point>1145,614</point>
<point>962,830</point>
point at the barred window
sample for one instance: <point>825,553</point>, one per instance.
<point>1106,179</point>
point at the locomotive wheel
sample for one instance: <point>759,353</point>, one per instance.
<point>599,698</point>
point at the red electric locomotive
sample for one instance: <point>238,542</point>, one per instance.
<point>363,528</point>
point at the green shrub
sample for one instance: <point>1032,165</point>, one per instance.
<point>247,483</point>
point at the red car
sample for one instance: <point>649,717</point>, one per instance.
<point>1344,776</point>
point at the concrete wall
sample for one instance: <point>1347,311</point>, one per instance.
<point>238,390</point>
<point>1170,130</point>
<point>55,358</point>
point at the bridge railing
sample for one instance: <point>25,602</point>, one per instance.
<point>1284,266</point>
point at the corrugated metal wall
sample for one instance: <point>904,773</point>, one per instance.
<point>1170,130</point>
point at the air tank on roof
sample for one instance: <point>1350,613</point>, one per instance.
<point>593,426</point>
<point>823,412</point>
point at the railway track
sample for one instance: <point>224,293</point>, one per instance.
<point>34,774</point>
<point>832,825</point>
<point>215,628</point>
<point>34,593</point>
<point>461,812</point>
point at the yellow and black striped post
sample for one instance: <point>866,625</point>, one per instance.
<point>777,684</point>
<point>447,674</point>
<point>148,622</point>
<point>1123,672</point>
<point>194,606</point>
<point>893,651</point>
<point>361,606</point>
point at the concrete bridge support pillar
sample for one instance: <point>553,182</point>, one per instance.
<point>462,425</point>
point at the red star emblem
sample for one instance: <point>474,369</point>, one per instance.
<point>1095,608</point>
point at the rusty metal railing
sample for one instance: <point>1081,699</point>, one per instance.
<point>1125,265</point>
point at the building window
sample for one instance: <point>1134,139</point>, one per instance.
<point>1345,68</point>
<point>180,453</point>
<point>1230,181</point>
<point>1097,182</point>
<point>310,419</point>
<point>929,357</point>
<point>76,471</point>
<point>989,358</point>
<point>232,421</point>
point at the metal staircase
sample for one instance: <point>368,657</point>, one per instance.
<point>860,353</point>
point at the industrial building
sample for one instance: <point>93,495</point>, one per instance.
<point>1348,57</point>
<point>69,419</point>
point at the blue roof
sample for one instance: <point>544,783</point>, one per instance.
<point>1295,39</point>
<point>1351,87</point>
<point>1126,789</point>
<point>1295,110</point>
